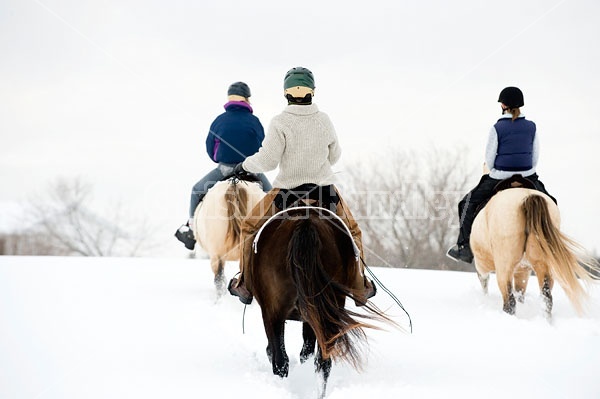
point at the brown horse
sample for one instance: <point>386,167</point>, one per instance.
<point>303,263</point>
<point>217,223</point>
<point>518,230</point>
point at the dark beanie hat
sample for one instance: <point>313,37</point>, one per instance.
<point>239,89</point>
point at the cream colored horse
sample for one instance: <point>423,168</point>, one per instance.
<point>217,223</point>
<point>518,230</point>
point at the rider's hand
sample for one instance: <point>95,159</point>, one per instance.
<point>239,170</point>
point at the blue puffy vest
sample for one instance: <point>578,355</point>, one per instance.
<point>515,144</point>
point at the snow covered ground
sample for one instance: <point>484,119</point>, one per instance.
<point>151,328</point>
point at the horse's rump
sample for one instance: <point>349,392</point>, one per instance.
<point>519,230</point>
<point>217,223</point>
<point>295,229</point>
<point>218,218</point>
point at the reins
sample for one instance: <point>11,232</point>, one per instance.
<point>244,320</point>
<point>387,291</point>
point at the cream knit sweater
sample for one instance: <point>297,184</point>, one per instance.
<point>302,142</point>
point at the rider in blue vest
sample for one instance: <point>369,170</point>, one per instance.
<point>512,148</point>
<point>233,136</point>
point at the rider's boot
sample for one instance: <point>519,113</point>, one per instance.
<point>186,236</point>
<point>460,252</point>
<point>369,291</point>
<point>238,288</point>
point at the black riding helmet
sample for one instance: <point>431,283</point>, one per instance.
<point>512,97</point>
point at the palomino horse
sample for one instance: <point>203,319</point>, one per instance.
<point>217,222</point>
<point>302,265</point>
<point>518,230</point>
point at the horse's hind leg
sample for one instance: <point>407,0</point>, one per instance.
<point>308,348</point>
<point>545,282</point>
<point>484,280</point>
<point>521,278</point>
<point>276,348</point>
<point>323,369</point>
<point>483,268</point>
<point>218,267</point>
<point>505,283</point>
<point>547,296</point>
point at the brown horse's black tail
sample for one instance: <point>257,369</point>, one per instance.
<point>321,300</point>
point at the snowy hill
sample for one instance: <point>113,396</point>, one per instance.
<point>150,328</point>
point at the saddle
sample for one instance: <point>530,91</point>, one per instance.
<point>515,181</point>
<point>307,194</point>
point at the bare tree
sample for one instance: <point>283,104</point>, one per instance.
<point>62,223</point>
<point>407,207</point>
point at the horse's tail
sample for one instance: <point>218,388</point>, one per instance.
<point>236,200</point>
<point>337,330</point>
<point>565,258</point>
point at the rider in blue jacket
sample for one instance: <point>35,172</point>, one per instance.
<point>512,148</point>
<point>234,135</point>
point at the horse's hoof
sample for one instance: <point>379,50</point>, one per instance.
<point>281,371</point>
<point>511,306</point>
<point>304,356</point>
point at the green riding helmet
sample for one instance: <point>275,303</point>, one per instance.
<point>299,76</point>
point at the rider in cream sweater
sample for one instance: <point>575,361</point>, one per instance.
<point>303,143</point>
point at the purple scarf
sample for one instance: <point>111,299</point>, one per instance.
<point>240,103</point>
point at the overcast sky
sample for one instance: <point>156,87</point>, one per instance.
<point>122,92</point>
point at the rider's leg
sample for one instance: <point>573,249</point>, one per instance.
<point>250,225</point>
<point>364,287</point>
<point>185,233</point>
<point>202,186</point>
<point>467,208</point>
<point>266,184</point>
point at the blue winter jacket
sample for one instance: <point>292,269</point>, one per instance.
<point>235,134</point>
<point>515,144</point>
